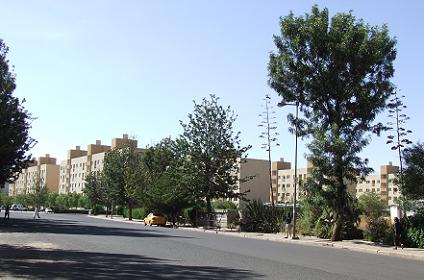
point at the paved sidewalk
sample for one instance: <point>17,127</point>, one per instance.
<point>354,245</point>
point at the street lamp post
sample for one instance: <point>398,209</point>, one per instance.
<point>282,104</point>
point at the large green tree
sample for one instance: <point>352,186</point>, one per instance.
<point>338,72</point>
<point>39,194</point>
<point>15,123</point>
<point>413,174</point>
<point>167,189</point>
<point>213,151</point>
<point>96,190</point>
<point>125,175</point>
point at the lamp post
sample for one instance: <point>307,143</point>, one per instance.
<point>282,104</point>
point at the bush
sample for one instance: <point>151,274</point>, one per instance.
<point>219,204</point>
<point>414,228</point>
<point>378,230</point>
<point>257,217</point>
<point>137,213</point>
<point>233,218</point>
<point>97,210</point>
<point>196,215</point>
<point>83,202</point>
<point>119,210</point>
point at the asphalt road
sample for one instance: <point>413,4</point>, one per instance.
<point>79,247</point>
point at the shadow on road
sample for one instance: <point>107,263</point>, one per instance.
<point>69,227</point>
<point>33,263</point>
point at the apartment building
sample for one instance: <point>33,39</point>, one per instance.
<point>43,171</point>
<point>286,180</point>
<point>383,184</point>
<point>253,178</point>
<point>81,162</point>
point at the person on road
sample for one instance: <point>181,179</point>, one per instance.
<point>397,232</point>
<point>288,222</point>
<point>36,213</point>
<point>7,212</point>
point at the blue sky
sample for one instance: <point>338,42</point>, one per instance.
<point>97,69</point>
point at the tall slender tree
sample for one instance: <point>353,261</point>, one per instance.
<point>15,123</point>
<point>339,72</point>
<point>269,134</point>
<point>398,140</point>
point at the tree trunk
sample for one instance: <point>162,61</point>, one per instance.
<point>209,222</point>
<point>173,220</point>
<point>130,211</point>
<point>337,230</point>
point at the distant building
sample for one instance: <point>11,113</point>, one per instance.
<point>384,184</point>
<point>80,163</point>
<point>43,170</point>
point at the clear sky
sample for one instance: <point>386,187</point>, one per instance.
<point>97,69</point>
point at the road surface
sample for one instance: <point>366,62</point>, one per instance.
<point>68,246</point>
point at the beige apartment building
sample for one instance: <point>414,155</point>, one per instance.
<point>43,170</point>
<point>81,162</point>
<point>253,178</point>
<point>383,184</point>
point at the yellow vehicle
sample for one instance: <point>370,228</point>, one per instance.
<point>152,219</point>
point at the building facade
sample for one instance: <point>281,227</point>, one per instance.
<point>43,171</point>
<point>253,179</point>
<point>383,184</point>
<point>80,163</point>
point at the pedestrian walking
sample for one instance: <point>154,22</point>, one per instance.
<point>36,213</point>
<point>289,226</point>
<point>397,232</point>
<point>7,212</point>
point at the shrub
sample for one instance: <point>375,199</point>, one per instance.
<point>195,215</point>
<point>378,230</point>
<point>414,228</point>
<point>233,218</point>
<point>97,210</point>
<point>219,204</point>
<point>137,213</point>
<point>83,202</point>
<point>371,205</point>
<point>120,210</point>
<point>259,218</point>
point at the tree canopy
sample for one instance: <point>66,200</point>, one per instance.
<point>15,123</point>
<point>125,175</point>
<point>213,151</point>
<point>167,190</point>
<point>413,174</point>
<point>338,72</point>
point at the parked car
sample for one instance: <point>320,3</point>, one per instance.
<point>153,219</point>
